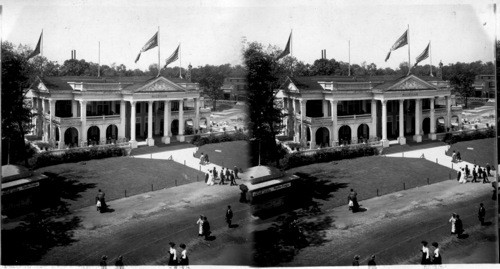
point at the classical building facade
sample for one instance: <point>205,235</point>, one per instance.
<point>331,111</point>
<point>234,88</point>
<point>484,86</point>
<point>79,111</point>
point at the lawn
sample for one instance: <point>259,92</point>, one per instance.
<point>117,175</point>
<point>227,154</point>
<point>481,151</point>
<point>366,175</point>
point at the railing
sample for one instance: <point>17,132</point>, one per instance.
<point>374,142</point>
<point>335,86</point>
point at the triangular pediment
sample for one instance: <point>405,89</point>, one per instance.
<point>160,84</point>
<point>41,87</point>
<point>411,83</point>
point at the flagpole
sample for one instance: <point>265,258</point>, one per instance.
<point>41,52</point>
<point>291,52</point>
<point>349,70</point>
<point>99,60</point>
<point>430,57</point>
<point>158,52</point>
<point>409,59</point>
<point>180,61</point>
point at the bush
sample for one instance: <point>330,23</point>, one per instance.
<point>469,135</point>
<point>75,155</point>
<point>211,139</point>
<point>297,159</point>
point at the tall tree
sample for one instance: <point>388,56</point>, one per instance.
<point>211,79</point>
<point>462,84</point>
<point>17,76</point>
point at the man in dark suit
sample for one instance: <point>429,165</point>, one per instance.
<point>229,216</point>
<point>459,174</point>
<point>481,213</point>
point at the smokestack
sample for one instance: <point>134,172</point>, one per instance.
<point>71,54</point>
<point>75,54</point>
<point>324,53</point>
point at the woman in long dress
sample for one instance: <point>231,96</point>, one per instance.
<point>426,257</point>
<point>463,177</point>
<point>200,225</point>
<point>210,181</point>
<point>453,221</point>
<point>172,260</point>
<point>437,255</point>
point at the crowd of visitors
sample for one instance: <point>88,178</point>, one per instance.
<point>212,176</point>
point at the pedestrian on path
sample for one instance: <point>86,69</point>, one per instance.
<point>211,179</point>
<point>207,176</point>
<point>426,259</point>
<point>233,179</point>
<point>352,199</point>
<point>222,177</point>
<point>236,172</point>
<point>459,174</point>
<point>119,262</point>
<point>488,169</point>
<point>103,263</point>
<point>228,173</point>
<point>463,179</point>
<point>100,198</point>
<point>459,227</point>
<point>474,174</point>
<point>355,262</point>
<point>206,228</point>
<point>214,171</point>
<point>454,157</point>
<point>459,158</point>
<point>467,171</point>
<point>202,159</point>
<point>229,216</point>
<point>371,262</point>
<point>485,177</point>
<point>206,159</point>
<point>184,260</point>
<point>172,260</point>
<point>200,225</point>
<point>481,214</point>
<point>436,259</point>
<point>453,221</point>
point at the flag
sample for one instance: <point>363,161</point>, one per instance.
<point>403,40</point>
<point>287,49</point>
<point>153,42</point>
<point>173,57</point>
<point>424,55</point>
<point>37,49</point>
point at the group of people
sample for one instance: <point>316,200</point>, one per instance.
<point>173,259</point>
<point>204,227</point>
<point>455,157</point>
<point>101,202</point>
<point>371,261</point>
<point>426,255</point>
<point>204,159</point>
<point>476,173</point>
<point>352,200</point>
<point>225,174</point>
<point>457,227</point>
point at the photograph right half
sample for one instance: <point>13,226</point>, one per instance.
<point>372,134</point>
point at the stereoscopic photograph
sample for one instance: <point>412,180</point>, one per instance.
<point>249,133</point>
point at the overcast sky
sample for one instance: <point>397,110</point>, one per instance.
<point>211,31</point>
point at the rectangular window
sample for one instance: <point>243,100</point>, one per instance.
<point>138,108</point>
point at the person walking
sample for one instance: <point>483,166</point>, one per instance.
<point>233,179</point>
<point>436,258</point>
<point>454,157</point>
<point>202,159</point>
<point>104,261</point>
<point>459,174</point>
<point>228,173</point>
<point>488,169</point>
<point>200,225</point>
<point>485,177</point>
<point>371,262</point>
<point>206,159</point>
<point>229,216</point>
<point>425,253</point>
<point>467,171</point>
<point>207,176</point>
<point>236,172</point>
<point>214,171</point>
<point>481,214</point>
<point>352,199</point>
<point>463,178</point>
<point>184,260</point>
<point>172,260</point>
<point>474,174</point>
<point>453,221</point>
<point>459,158</point>
<point>459,226</point>
<point>355,262</point>
<point>206,228</point>
<point>119,262</point>
<point>222,177</point>
<point>101,198</point>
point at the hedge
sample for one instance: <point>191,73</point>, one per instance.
<point>202,140</point>
<point>75,155</point>
<point>297,159</point>
<point>467,135</point>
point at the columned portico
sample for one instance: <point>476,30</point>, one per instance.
<point>52,104</point>
<point>133,142</point>
<point>373,129</point>
<point>335,134</point>
<point>197,114</point>
<point>296,134</point>
<point>401,138</point>
<point>121,131</point>
<point>448,112</point>
<point>418,120</point>
<point>385,142</point>
<point>61,138</point>
<point>313,137</point>
<point>181,137</point>
<point>166,123</point>
<point>432,134</point>
<point>83,118</point>
<point>150,140</point>
<point>302,116</point>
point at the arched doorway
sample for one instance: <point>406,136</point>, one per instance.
<point>189,127</point>
<point>440,125</point>
<point>363,133</point>
<point>93,135</point>
<point>111,133</point>
<point>56,130</point>
<point>174,127</point>
<point>71,137</point>
<point>323,137</point>
<point>426,126</point>
<point>308,133</point>
<point>345,135</point>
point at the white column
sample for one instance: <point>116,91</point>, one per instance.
<point>325,108</point>
<point>156,119</point>
<point>432,134</point>
<point>385,142</point>
<point>133,142</point>
<point>83,119</point>
<point>180,137</point>
<point>313,138</point>
<point>121,131</point>
<point>74,109</point>
<point>401,138</point>
<point>113,107</point>
<point>418,122</point>
<point>166,123</point>
<point>303,127</point>
<point>52,108</point>
<point>150,139</point>
<point>354,133</point>
<point>61,138</point>
<point>373,128</point>
<point>448,113</point>
<point>335,133</point>
<point>197,114</point>
<point>295,125</point>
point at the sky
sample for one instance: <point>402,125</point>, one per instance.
<point>211,32</point>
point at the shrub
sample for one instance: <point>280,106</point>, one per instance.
<point>469,135</point>
<point>211,139</point>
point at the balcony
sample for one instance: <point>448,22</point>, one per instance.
<point>341,120</point>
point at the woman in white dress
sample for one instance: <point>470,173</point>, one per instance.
<point>210,181</point>
<point>462,180</point>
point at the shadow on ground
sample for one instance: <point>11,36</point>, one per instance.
<point>47,226</point>
<point>300,224</point>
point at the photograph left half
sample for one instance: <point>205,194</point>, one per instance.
<point>124,134</point>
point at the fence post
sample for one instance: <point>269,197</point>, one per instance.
<point>151,156</point>
<point>184,162</point>
<point>451,165</point>
<point>436,160</point>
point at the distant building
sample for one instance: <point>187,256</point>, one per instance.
<point>484,86</point>
<point>234,88</point>
<point>79,111</point>
<point>332,111</point>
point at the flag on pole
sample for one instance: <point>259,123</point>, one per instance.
<point>403,40</point>
<point>424,55</point>
<point>37,49</point>
<point>173,57</point>
<point>287,49</point>
<point>153,42</point>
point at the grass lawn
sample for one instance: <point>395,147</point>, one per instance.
<point>479,151</point>
<point>367,174</point>
<point>227,154</point>
<point>115,175</point>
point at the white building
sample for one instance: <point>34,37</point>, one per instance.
<point>329,111</point>
<point>78,111</point>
